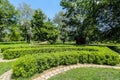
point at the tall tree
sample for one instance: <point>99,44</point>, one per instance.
<point>51,31</point>
<point>7,17</point>
<point>25,16</point>
<point>43,29</point>
<point>109,19</point>
<point>80,15</point>
<point>37,23</point>
<point>58,20</point>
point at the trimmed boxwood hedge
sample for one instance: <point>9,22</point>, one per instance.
<point>3,48</point>
<point>16,53</point>
<point>31,64</point>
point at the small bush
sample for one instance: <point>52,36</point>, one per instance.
<point>26,66</point>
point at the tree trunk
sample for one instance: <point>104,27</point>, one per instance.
<point>80,40</point>
<point>63,41</point>
<point>28,38</point>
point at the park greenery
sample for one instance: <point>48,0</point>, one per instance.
<point>82,21</point>
<point>84,32</point>
<point>36,58</point>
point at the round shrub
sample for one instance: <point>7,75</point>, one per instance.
<point>25,66</point>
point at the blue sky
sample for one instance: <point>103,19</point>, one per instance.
<point>49,7</point>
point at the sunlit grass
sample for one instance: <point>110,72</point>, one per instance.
<point>89,74</point>
<point>5,66</point>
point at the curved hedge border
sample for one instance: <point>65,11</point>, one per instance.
<point>15,53</point>
<point>31,64</point>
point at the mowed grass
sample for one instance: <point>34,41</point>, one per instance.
<point>89,74</point>
<point>5,66</point>
<point>0,55</point>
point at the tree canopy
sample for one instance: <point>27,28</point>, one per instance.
<point>90,17</point>
<point>7,17</point>
<point>42,30</point>
<point>83,21</point>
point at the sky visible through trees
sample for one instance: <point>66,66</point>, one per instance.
<point>81,21</point>
<point>49,7</point>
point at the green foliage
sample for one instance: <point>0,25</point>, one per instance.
<point>79,18</point>
<point>84,21</point>
<point>7,17</point>
<point>43,31</point>
<point>25,13</point>
<point>68,58</point>
<point>26,66</point>
<point>20,45</point>
<point>93,20</point>
<point>15,33</point>
<point>108,18</point>
<point>58,20</point>
<point>31,64</point>
<point>15,53</point>
<point>37,23</point>
<point>51,32</point>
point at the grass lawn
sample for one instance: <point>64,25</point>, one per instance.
<point>88,74</point>
<point>5,67</point>
<point>0,55</point>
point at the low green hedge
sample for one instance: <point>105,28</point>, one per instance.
<point>17,42</point>
<point>15,53</point>
<point>12,46</point>
<point>3,48</point>
<point>31,64</point>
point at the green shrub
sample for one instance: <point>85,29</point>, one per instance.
<point>68,58</point>
<point>17,42</point>
<point>37,63</point>
<point>26,66</point>
<point>25,46</point>
<point>15,53</point>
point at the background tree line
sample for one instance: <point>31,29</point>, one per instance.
<point>83,21</point>
<point>92,20</point>
<point>25,24</point>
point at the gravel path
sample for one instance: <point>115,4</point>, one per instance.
<point>2,60</point>
<point>54,71</point>
<point>6,75</point>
